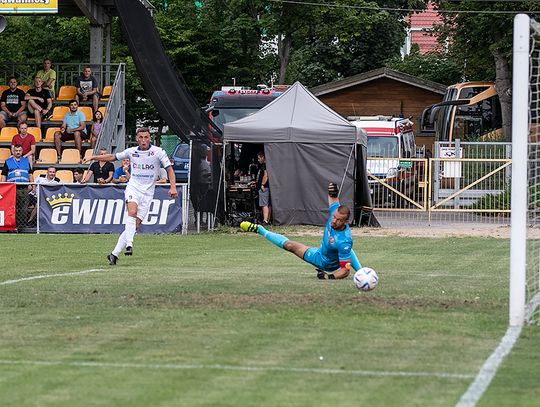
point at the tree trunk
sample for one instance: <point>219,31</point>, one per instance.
<point>284,53</point>
<point>503,84</point>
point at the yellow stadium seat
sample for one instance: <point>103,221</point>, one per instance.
<point>65,176</point>
<point>39,173</point>
<point>49,135</point>
<point>3,88</point>
<point>7,133</point>
<point>59,112</point>
<point>88,153</point>
<point>102,110</point>
<point>47,156</point>
<point>36,132</point>
<point>4,154</point>
<point>24,88</point>
<point>66,93</point>
<point>106,92</point>
<point>88,113</point>
<point>70,156</point>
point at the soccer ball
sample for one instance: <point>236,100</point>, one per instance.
<point>366,279</point>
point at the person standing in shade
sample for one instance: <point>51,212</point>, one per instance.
<point>48,76</point>
<point>263,186</point>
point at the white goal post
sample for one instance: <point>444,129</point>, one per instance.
<point>524,298</point>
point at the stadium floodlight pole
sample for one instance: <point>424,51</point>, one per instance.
<point>520,131</point>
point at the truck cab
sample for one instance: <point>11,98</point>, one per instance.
<point>390,142</point>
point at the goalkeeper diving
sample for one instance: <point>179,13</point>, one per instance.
<point>334,258</point>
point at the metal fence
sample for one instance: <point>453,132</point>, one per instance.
<point>463,183</point>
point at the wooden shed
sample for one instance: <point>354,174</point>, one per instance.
<point>383,91</point>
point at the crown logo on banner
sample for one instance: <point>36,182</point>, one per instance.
<point>56,202</point>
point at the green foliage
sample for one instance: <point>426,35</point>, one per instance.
<point>30,39</point>
<point>500,201</point>
<point>433,66</point>
<point>475,36</point>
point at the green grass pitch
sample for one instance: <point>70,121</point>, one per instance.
<point>227,319</point>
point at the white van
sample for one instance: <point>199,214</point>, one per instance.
<point>390,141</point>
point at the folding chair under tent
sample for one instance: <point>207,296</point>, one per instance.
<point>306,146</point>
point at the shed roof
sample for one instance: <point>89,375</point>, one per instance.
<point>378,74</point>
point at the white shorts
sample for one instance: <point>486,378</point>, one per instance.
<point>143,201</point>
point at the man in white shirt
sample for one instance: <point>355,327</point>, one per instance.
<point>146,160</point>
<point>48,179</point>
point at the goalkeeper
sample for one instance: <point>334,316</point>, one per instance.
<point>335,257</point>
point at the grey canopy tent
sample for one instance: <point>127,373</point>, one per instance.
<point>306,146</point>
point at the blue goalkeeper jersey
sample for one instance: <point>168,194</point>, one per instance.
<point>336,245</point>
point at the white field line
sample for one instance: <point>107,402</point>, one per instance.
<point>75,273</point>
<point>489,369</point>
<point>174,366</point>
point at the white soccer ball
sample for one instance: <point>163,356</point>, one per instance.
<point>366,279</point>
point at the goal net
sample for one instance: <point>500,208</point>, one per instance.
<point>525,240</point>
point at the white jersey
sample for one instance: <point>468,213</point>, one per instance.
<point>145,165</point>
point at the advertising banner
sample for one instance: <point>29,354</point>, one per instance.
<point>8,195</point>
<point>28,6</point>
<point>73,208</point>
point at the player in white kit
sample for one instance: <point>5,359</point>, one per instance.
<point>146,160</point>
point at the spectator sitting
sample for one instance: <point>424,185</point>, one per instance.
<point>39,102</point>
<point>48,179</point>
<point>102,170</point>
<point>12,104</point>
<point>78,174</point>
<point>122,173</point>
<point>27,141</point>
<point>48,76</point>
<point>73,128</point>
<point>44,179</point>
<point>162,176</point>
<point>96,128</point>
<point>87,88</point>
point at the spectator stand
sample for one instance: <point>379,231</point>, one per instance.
<point>111,78</point>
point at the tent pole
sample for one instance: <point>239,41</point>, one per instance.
<point>221,178</point>
<point>346,168</point>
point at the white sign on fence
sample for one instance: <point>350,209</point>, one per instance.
<point>451,169</point>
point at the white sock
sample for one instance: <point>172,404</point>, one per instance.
<point>131,228</point>
<point>120,244</point>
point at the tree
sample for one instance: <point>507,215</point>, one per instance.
<point>481,43</point>
<point>324,43</point>
<point>433,66</point>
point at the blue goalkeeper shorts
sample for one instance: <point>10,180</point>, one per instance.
<point>314,257</point>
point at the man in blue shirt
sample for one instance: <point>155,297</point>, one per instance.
<point>73,128</point>
<point>334,258</point>
<point>17,169</point>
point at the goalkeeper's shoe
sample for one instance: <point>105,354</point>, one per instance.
<point>112,259</point>
<point>129,251</point>
<point>249,227</point>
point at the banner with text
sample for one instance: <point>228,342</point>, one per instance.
<point>8,193</point>
<point>28,6</point>
<point>101,209</point>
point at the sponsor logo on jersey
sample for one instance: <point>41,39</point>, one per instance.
<point>143,166</point>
